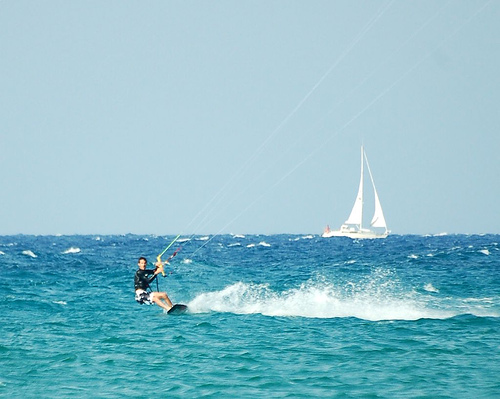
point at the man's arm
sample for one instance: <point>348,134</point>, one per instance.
<point>153,273</point>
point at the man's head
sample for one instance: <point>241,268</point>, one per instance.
<point>142,262</point>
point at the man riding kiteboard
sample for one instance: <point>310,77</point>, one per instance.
<point>143,293</point>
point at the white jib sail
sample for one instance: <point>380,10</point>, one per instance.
<point>378,219</point>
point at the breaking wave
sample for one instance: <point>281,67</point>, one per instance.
<point>371,302</point>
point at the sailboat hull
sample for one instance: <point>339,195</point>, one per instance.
<point>354,234</point>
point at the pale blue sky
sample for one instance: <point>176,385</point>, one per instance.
<point>169,117</point>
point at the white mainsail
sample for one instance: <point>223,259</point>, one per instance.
<point>356,216</point>
<point>353,226</point>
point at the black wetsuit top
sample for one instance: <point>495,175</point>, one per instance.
<point>143,278</point>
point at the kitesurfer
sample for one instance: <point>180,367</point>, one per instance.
<point>143,293</point>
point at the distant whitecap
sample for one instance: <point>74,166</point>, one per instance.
<point>264,244</point>
<point>72,250</point>
<point>2,253</point>
<point>29,253</point>
<point>485,251</point>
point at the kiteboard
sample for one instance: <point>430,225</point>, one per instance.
<point>178,309</point>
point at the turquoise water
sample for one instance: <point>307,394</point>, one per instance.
<point>270,316</point>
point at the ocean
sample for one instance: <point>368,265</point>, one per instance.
<point>270,316</point>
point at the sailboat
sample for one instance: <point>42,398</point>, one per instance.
<point>353,226</point>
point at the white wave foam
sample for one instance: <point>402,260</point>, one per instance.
<point>485,251</point>
<point>430,288</point>
<point>2,253</point>
<point>321,300</point>
<point>29,253</point>
<point>480,307</point>
<point>72,250</point>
